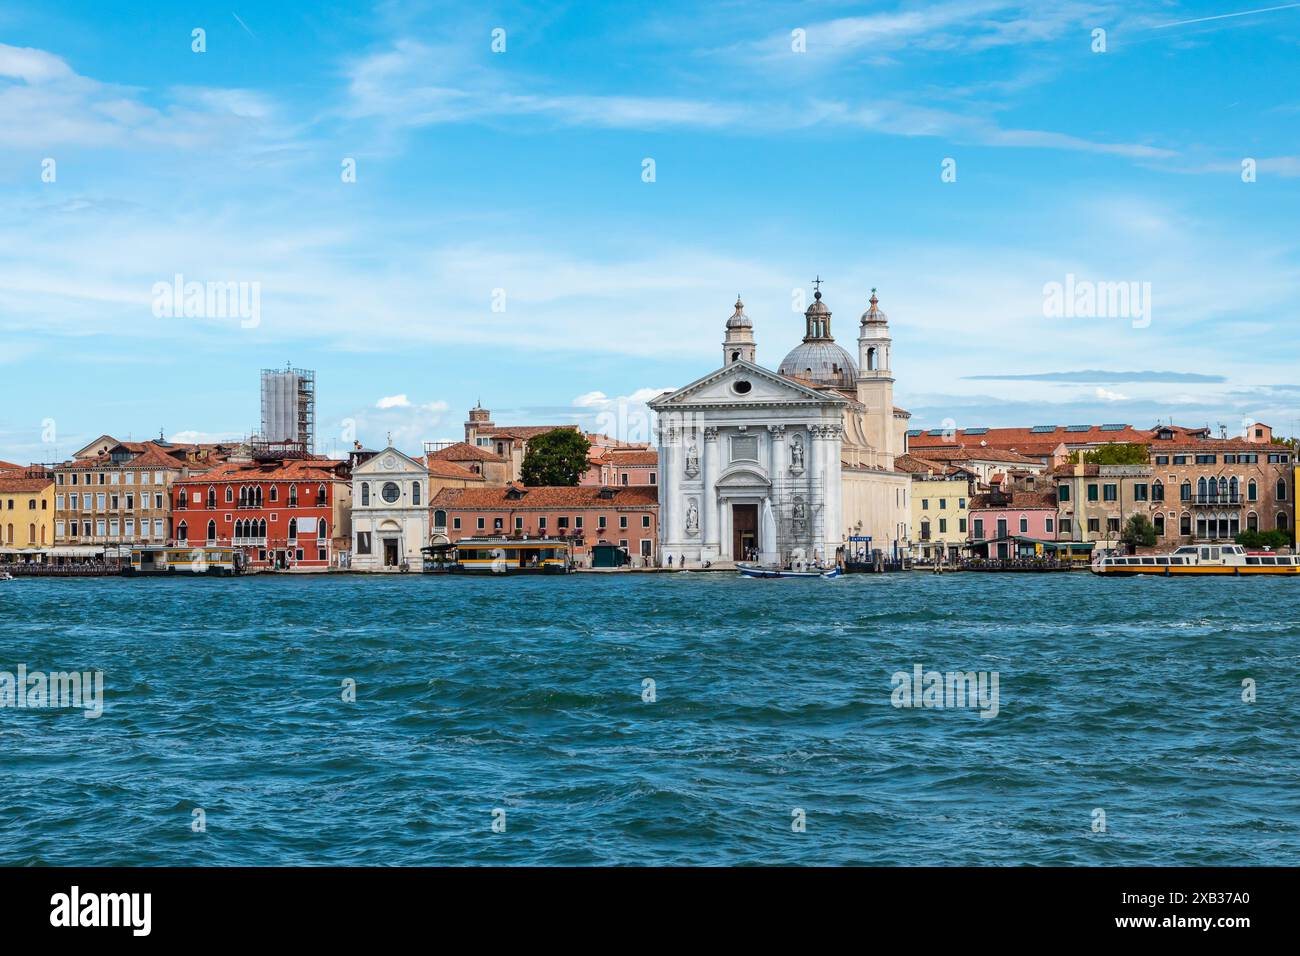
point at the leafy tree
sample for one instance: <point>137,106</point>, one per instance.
<point>557,457</point>
<point>1139,532</point>
<point>1113,453</point>
<point>1257,540</point>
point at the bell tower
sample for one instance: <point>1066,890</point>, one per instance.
<point>738,344</point>
<point>875,378</point>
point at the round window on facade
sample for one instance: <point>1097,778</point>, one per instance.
<point>742,387</point>
<point>391,492</point>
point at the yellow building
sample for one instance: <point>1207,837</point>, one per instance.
<point>26,515</point>
<point>940,508</point>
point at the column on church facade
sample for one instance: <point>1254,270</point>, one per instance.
<point>777,472</point>
<point>709,523</point>
<point>834,510</point>
<point>670,482</point>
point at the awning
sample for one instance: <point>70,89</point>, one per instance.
<point>7,550</point>
<point>71,551</point>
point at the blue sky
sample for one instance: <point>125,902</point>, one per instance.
<point>522,171</point>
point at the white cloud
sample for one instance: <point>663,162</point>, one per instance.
<point>393,401</point>
<point>1107,395</point>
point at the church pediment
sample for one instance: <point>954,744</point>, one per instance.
<point>390,461</point>
<point>741,477</point>
<point>740,384</point>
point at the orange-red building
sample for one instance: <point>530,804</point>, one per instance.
<point>290,514</point>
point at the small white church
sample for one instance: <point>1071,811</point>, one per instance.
<point>774,467</point>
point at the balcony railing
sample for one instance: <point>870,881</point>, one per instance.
<point>1216,501</point>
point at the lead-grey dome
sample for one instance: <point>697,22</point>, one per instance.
<point>818,360</point>
<point>821,362</point>
<point>739,320</point>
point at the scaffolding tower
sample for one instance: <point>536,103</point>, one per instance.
<point>289,406</point>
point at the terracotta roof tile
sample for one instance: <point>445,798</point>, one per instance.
<point>463,451</point>
<point>449,469</point>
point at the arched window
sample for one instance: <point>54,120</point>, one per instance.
<point>31,534</point>
<point>1202,492</point>
<point>320,495</point>
<point>10,539</point>
<point>243,496</point>
<point>230,493</point>
<point>1281,521</point>
<point>1160,525</point>
<point>182,532</point>
<point>1223,489</point>
<point>365,492</point>
<point>415,492</point>
<point>871,359</point>
<point>1234,490</point>
<point>1158,491</point>
<point>1252,522</point>
<point>1185,524</point>
<point>212,531</point>
<point>440,519</point>
<point>261,529</point>
<point>1252,491</point>
<point>212,497</point>
<point>1185,490</point>
<point>293,529</point>
<point>1281,489</point>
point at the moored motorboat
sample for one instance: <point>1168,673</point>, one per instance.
<point>754,571</point>
<point>1199,560</point>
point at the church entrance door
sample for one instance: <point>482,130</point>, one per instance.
<point>390,552</point>
<point>744,531</point>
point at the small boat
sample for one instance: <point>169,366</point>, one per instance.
<point>1198,560</point>
<point>754,571</point>
<point>6,576</point>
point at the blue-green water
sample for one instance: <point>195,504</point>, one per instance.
<point>526,695</point>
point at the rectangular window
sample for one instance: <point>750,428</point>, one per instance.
<point>99,501</point>
<point>1112,525</point>
<point>1140,492</point>
<point>1092,492</point>
<point>455,524</point>
<point>498,524</point>
<point>645,521</point>
<point>1162,459</point>
<point>979,529</point>
<point>363,542</point>
<point>519,523</point>
<point>1111,492</point>
<point>1066,526</point>
<point>622,522</point>
<point>130,526</point>
<point>541,523</point>
<point>58,528</point>
<point>1063,493</point>
<point>562,522</point>
<point>99,527</point>
<point>600,522</point>
<point>1180,459</point>
<point>961,525</point>
<point>1051,525</point>
<point>943,525</point>
<point>925,504</point>
<point>1024,525</point>
<point>482,522</point>
<point>577,521</point>
<point>1094,525</point>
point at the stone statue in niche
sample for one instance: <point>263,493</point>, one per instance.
<point>796,455</point>
<point>692,517</point>
<point>692,461</point>
<point>798,516</point>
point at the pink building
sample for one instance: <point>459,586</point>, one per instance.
<point>1012,524</point>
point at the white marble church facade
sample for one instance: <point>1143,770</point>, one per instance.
<point>774,466</point>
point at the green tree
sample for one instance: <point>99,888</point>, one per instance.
<point>557,457</point>
<point>1257,540</point>
<point>1139,532</point>
<point>1113,454</point>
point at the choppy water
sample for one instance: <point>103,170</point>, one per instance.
<point>526,695</point>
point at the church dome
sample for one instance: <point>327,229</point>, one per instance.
<point>818,360</point>
<point>739,320</point>
<point>821,363</point>
<point>874,313</point>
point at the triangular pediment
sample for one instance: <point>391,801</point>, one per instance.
<point>388,461</point>
<point>742,383</point>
